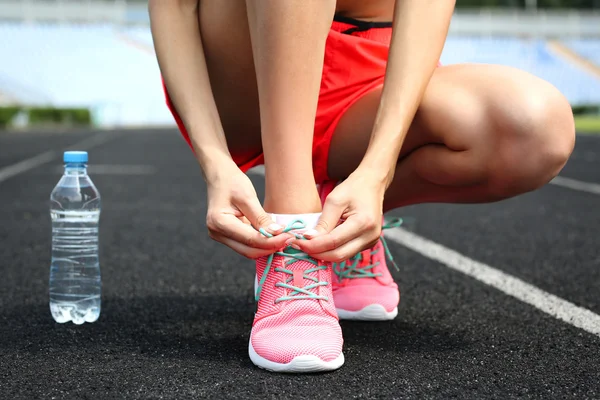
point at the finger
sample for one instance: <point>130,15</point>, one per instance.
<point>342,234</point>
<point>329,219</point>
<point>234,229</point>
<point>345,251</point>
<point>244,250</point>
<point>258,217</point>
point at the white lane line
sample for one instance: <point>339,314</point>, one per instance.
<point>101,169</point>
<point>91,142</point>
<point>47,156</point>
<point>574,184</point>
<point>116,169</point>
<point>550,304</point>
<point>26,165</point>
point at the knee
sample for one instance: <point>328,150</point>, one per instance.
<point>548,134</point>
<point>536,138</point>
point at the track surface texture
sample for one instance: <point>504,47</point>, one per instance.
<point>178,307</point>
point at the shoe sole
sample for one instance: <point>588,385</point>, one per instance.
<point>372,312</point>
<point>300,364</point>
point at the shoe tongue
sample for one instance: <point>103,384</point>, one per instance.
<point>366,258</point>
<point>298,267</point>
<point>309,221</point>
<point>297,263</point>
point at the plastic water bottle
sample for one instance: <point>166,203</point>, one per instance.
<point>75,270</point>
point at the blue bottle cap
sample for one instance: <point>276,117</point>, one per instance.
<point>75,157</point>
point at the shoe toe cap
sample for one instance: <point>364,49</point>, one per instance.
<point>322,338</point>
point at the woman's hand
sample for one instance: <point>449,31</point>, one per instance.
<point>358,204</point>
<point>235,215</point>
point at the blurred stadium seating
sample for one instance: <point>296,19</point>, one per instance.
<point>533,56</point>
<point>110,69</point>
<point>588,48</point>
<point>109,66</point>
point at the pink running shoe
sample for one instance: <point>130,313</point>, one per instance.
<point>296,327</point>
<point>364,289</point>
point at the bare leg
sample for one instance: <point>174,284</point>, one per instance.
<point>481,134</point>
<point>288,43</point>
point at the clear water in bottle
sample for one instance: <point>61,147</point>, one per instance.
<point>75,285</point>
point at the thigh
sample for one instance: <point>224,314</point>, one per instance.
<point>228,52</point>
<point>465,106</point>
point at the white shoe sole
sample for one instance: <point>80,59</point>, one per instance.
<point>300,364</point>
<point>372,312</point>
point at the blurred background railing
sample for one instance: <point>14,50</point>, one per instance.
<point>98,55</point>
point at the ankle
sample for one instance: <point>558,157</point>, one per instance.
<point>296,203</point>
<point>293,194</point>
<point>292,207</point>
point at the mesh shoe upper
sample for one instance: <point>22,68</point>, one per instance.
<point>295,313</point>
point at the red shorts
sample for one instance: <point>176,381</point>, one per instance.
<point>356,55</point>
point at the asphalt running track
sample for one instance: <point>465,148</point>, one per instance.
<point>498,301</point>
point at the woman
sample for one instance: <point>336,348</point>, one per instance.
<point>347,95</point>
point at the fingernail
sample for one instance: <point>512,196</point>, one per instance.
<point>265,233</point>
<point>275,227</point>
<point>295,246</point>
<point>311,232</point>
<point>289,241</point>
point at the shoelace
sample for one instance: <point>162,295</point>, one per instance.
<point>293,255</point>
<point>354,268</point>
